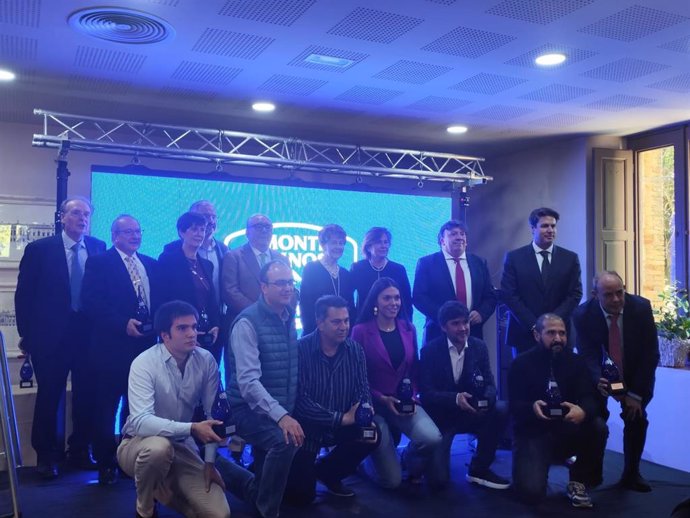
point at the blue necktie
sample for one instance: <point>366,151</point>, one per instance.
<point>76,276</point>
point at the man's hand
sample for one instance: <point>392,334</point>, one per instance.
<point>214,332</point>
<point>389,402</point>
<point>461,399</point>
<point>602,387</point>
<point>537,408</point>
<point>632,408</point>
<point>575,413</point>
<point>475,318</point>
<point>349,416</point>
<point>132,330</point>
<point>292,430</point>
<point>203,431</point>
<point>211,476</point>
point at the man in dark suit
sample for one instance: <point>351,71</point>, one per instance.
<point>539,278</point>
<point>54,330</point>
<point>120,290</point>
<point>453,274</point>
<point>632,344</point>
<point>240,278</point>
<point>451,366</point>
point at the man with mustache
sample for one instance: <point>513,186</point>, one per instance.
<point>539,439</point>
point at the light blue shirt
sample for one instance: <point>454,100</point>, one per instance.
<point>162,399</point>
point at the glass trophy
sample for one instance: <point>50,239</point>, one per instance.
<point>405,397</point>
<point>204,338</point>
<point>26,373</point>
<point>364,416</point>
<point>609,370</point>
<point>479,400</point>
<point>143,314</point>
<point>554,410</point>
<point>221,412</point>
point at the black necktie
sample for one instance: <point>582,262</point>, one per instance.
<point>545,266</point>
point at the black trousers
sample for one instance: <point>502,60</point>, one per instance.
<point>534,451</point>
<point>340,462</point>
<point>52,365</point>
<point>634,437</point>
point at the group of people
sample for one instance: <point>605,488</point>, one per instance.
<point>154,332</point>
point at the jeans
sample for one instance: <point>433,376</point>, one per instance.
<point>265,489</point>
<point>487,426</point>
<point>337,464</point>
<point>383,466</point>
<point>535,450</point>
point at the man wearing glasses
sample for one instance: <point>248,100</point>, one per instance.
<point>120,293</point>
<point>241,266</point>
<point>261,377</point>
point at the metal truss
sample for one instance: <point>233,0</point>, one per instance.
<point>139,139</point>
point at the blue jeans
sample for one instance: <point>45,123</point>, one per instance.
<point>265,489</point>
<point>383,466</point>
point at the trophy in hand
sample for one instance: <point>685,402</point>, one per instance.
<point>554,410</point>
<point>143,314</point>
<point>364,416</point>
<point>204,338</point>
<point>478,400</point>
<point>405,397</point>
<point>609,371</point>
<point>221,412</point>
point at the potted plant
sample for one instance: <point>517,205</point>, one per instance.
<point>673,325</point>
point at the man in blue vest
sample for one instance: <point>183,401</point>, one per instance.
<point>261,377</point>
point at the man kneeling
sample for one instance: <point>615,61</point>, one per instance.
<point>165,383</point>
<point>554,406</point>
<point>458,390</point>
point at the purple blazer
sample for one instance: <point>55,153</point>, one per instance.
<point>383,378</point>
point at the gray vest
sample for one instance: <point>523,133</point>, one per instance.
<point>278,355</point>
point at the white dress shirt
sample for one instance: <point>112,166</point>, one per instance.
<point>457,360</point>
<point>540,258</point>
<point>69,253</point>
<point>142,275</point>
<point>450,263</point>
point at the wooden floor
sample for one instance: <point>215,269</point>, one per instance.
<point>77,494</point>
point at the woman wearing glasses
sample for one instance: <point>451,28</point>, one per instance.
<point>186,276</point>
<point>325,277</point>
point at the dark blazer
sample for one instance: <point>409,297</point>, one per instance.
<point>317,282</point>
<point>433,286</point>
<point>383,378</point>
<point>177,281</point>
<point>42,299</point>
<point>110,301</point>
<point>526,296</point>
<point>640,344</point>
<point>239,281</point>
<point>437,386</point>
<point>364,277</point>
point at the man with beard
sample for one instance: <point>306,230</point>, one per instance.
<point>539,439</point>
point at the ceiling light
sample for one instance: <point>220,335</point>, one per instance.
<point>456,130</point>
<point>263,107</point>
<point>6,75</point>
<point>549,60</point>
<point>331,61</point>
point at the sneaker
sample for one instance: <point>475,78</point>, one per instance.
<point>488,478</point>
<point>338,489</point>
<point>577,493</point>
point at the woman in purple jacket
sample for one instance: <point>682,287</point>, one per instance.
<point>390,346</point>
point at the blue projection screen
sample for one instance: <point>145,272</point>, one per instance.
<point>297,214</point>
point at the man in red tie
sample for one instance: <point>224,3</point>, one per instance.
<point>622,325</point>
<point>453,274</point>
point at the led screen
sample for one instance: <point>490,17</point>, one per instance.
<point>297,214</point>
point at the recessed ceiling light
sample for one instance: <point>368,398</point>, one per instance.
<point>6,75</point>
<point>331,61</point>
<point>549,60</point>
<point>263,107</point>
<point>456,130</point>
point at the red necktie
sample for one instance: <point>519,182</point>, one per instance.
<point>460,287</point>
<point>615,347</point>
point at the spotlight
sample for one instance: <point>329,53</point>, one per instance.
<point>549,60</point>
<point>456,130</point>
<point>6,75</point>
<point>263,106</point>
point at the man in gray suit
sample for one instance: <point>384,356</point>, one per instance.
<point>240,285</point>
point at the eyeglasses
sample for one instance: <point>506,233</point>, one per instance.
<point>262,226</point>
<point>131,232</point>
<point>283,283</point>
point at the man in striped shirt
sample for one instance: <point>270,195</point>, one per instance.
<point>332,385</point>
